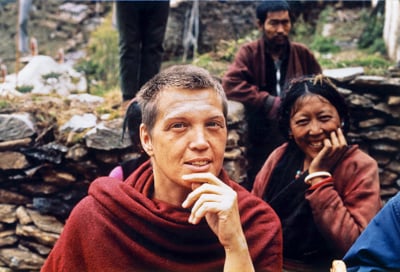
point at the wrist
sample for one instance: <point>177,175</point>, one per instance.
<point>238,244</point>
<point>320,183</point>
<point>315,177</point>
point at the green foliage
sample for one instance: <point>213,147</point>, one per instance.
<point>217,61</point>
<point>373,61</point>
<point>226,50</point>
<point>51,75</point>
<point>102,64</point>
<point>307,34</point>
<point>374,64</point>
<point>324,45</point>
<point>373,30</point>
<point>212,63</point>
<point>24,88</point>
<point>203,60</point>
<point>302,31</point>
<point>4,104</point>
<point>378,46</point>
<point>371,38</point>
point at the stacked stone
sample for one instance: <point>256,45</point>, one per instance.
<point>374,103</point>
<point>45,169</point>
<point>43,176</point>
<point>41,179</point>
<point>235,161</point>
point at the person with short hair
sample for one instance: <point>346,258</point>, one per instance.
<point>178,211</point>
<point>258,75</point>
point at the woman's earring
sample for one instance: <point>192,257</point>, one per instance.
<point>342,124</point>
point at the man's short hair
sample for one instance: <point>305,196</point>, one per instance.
<point>269,6</point>
<point>188,77</point>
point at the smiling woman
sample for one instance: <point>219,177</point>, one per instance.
<point>324,191</point>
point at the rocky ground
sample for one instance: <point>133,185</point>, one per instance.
<point>53,27</point>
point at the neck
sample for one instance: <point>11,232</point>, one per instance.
<point>306,163</point>
<point>169,192</point>
<point>276,55</point>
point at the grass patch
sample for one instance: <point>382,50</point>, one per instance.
<point>4,104</point>
<point>101,66</point>
<point>24,88</point>
<point>374,64</point>
<point>324,45</point>
<point>51,75</point>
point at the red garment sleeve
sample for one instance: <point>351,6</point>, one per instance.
<point>242,80</point>
<point>343,209</point>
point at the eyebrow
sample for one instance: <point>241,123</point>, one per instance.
<point>282,21</point>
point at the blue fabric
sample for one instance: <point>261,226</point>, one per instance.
<point>378,247</point>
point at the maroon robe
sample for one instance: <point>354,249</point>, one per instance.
<point>117,227</point>
<point>247,74</point>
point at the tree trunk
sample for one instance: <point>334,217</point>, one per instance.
<point>391,30</point>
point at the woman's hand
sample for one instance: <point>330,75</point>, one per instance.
<point>334,148</point>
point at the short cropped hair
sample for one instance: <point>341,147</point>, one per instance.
<point>269,6</point>
<point>188,77</point>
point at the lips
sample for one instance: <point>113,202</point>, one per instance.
<point>317,144</point>
<point>199,163</point>
<point>280,38</point>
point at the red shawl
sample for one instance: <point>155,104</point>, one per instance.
<point>117,228</point>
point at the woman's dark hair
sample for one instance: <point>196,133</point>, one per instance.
<point>132,121</point>
<point>309,85</point>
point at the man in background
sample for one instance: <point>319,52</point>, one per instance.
<point>258,75</point>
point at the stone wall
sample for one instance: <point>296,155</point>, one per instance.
<point>47,166</point>
<point>216,21</point>
<point>374,103</point>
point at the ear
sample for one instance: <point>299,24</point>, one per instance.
<point>145,139</point>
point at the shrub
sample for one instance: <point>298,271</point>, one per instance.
<point>373,30</point>
<point>51,75</point>
<point>24,88</point>
<point>324,45</point>
<point>101,67</point>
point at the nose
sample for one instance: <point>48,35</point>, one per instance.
<point>280,28</point>
<point>315,128</point>
<point>199,139</point>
